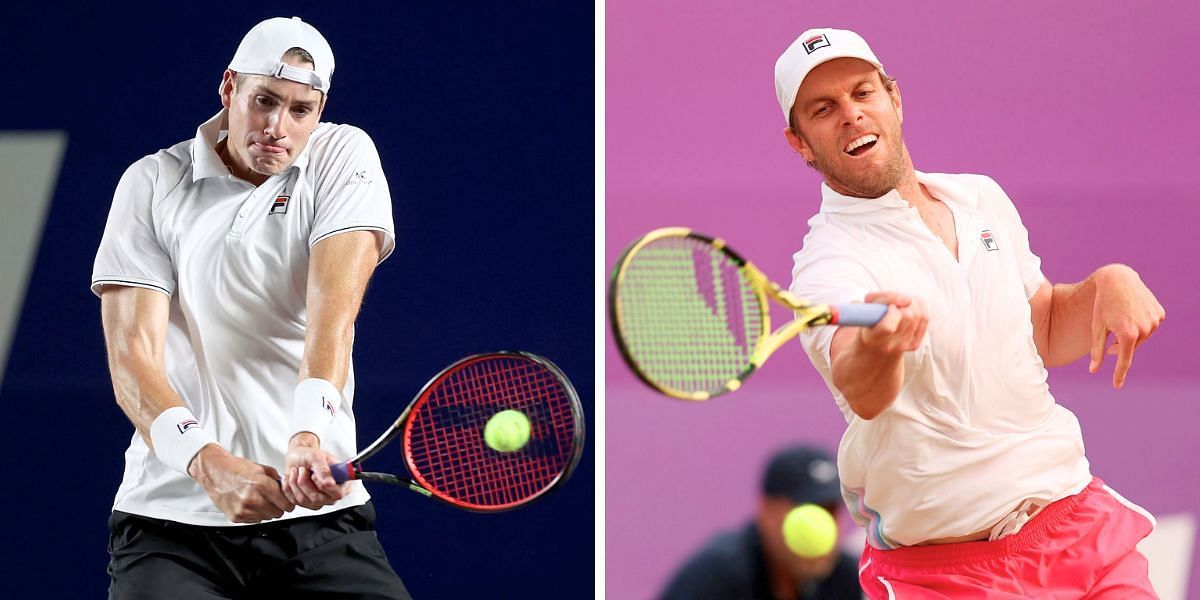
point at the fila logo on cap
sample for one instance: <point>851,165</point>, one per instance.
<point>815,42</point>
<point>279,206</point>
<point>185,425</point>
<point>989,242</point>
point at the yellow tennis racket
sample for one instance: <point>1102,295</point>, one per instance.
<point>691,317</point>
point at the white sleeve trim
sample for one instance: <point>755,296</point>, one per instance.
<point>389,238</point>
<point>127,281</point>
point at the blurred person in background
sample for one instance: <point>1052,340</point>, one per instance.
<point>753,562</point>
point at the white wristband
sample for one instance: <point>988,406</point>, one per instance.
<point>177,436</point>
<point>314,405</point>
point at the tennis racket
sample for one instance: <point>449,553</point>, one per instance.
<point>692,319</point>
<point>442,434</point>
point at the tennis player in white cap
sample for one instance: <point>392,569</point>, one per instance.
<point>230,275</point>
<point>968,477</point>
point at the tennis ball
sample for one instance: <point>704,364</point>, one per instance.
<point>507,431</point>
<point>810,531</point>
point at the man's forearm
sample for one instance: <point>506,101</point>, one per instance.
<point>142,392</point>
<point>135,324</point>
<point>869,379</point>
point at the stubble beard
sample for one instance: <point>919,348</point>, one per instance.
<point>872,183</point>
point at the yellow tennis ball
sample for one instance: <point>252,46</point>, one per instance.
<point>810,531</point>
<point>507,431</point>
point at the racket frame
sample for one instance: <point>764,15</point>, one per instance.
<point>806,314</point>
<point>353,467</point>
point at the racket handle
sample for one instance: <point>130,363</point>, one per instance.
<point>343,472</point>
<point>859,315</point>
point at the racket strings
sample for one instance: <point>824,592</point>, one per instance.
<point>688,317</point>
<point>445,438</point>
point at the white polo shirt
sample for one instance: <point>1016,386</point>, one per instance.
<point>974,431</point>
<point>233,258</point>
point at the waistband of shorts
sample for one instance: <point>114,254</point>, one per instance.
<point>363,513</point>
<point>1034,533</point>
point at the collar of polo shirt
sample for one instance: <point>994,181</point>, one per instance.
<point>945,190</point>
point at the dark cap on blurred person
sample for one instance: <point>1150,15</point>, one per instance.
<point>803,474</point>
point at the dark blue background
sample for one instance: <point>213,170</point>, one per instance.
<point>482,114</point>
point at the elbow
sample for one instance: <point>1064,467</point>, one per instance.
<point>867,404</point>
<point>866,411</point>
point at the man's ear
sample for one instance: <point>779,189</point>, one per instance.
<point>798,144</point>
<point>226,89</point>
<point>894,93</point>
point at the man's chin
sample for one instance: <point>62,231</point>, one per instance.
<point>269,167</point>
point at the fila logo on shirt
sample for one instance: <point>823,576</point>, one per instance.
<point>186,424</point>
<point>989,241</point>
<point>279,206</point>
<point>359,177</point>
<point>815,42</point>
<point>327,406</point>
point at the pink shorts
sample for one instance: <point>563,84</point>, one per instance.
<point>1083,546</point>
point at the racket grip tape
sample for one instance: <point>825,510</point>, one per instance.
<point>858,314</point>
<point>343,471</point>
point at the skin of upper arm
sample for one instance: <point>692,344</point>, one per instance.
<point>135,332</point>
<point>135,323</point>
<point>842,339</point>
<point>339,269</point>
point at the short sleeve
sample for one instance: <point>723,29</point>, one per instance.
<point>822,276</point>
<point>1029,265</point>
<point>351,192</point>
<point>130,252</point>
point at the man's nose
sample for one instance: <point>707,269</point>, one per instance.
<point>851,113</point>
<point>275,125</point>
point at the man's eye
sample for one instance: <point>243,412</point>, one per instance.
<point>301,112</point>
<point>822,110</point>
<point>864,93</point>
<point>264,101</point>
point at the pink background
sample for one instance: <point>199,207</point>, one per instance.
<point>1085,112</point>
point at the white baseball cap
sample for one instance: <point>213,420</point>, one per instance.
<point>262,49</point>
<point>812,48</point>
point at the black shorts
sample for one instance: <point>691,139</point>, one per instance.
<point>328,556</point>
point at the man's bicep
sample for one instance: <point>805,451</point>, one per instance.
<point>344,262</point>
<point>135,322</point>
<point>843,338</point>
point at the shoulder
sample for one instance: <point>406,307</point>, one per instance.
<point>729,552</point>
<point>161,170</point>
<point>974,180</point>
<point>331,139</point>
<point>722,568</point>
<point>340,152</point>
<point>984,187</point>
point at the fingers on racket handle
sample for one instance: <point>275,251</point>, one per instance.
<point>343,472</point>
<point>860,315</point>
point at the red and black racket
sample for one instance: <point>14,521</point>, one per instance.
<point>442,433</point>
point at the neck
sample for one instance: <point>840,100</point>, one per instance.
<point>912,192</point>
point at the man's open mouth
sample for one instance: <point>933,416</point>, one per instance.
<point>861,145</point>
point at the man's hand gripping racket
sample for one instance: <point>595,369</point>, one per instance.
<point>691,317</point>
<point>442,434</point>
